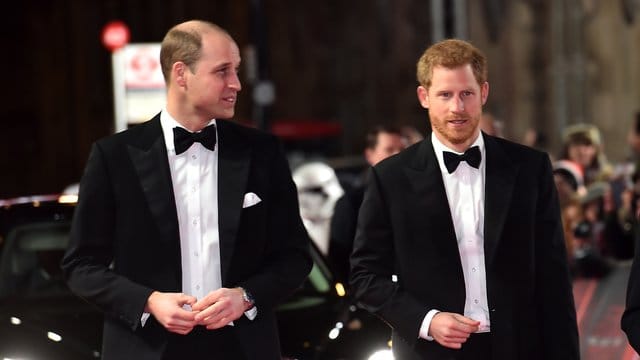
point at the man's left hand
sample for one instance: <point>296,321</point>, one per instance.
<point>219,308</point>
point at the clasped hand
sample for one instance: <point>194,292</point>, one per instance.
<point>452,330</point>
<point>215,310</point>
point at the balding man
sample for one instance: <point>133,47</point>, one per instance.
<point>187,231</point>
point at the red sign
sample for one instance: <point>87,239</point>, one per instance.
<point>115,35</point>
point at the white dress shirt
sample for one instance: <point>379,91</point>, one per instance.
<point>465,193</point>
<point>194,175</point>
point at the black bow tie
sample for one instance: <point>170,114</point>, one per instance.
<point>471,156</point>
<point>183,139</point>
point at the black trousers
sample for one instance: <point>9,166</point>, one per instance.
<point>201,344</point>
<point>477,347</point>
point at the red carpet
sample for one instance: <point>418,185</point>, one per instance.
<point>599,307</point>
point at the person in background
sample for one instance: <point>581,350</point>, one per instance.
<point>411,135</point>
<point>187,232</point>
<point>632,171</point>
<point>569,183</point>
<point>614,224</point>
<point>630,322</point>
<point>537,140</point>
<point>318,191</point>
<point>459,244</point>
<point>490,126</point>
<point>633,139</point>
<point>593,235</point>
<point>380,142</point>
<point>582,144</point>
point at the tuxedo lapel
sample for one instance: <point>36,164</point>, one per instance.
<point>501,173</point>
<point>429,202</point>
<point>149,158</point>
<point>234,161</point>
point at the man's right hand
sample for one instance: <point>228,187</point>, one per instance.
<point>168,309</point>
<point>452,330</point>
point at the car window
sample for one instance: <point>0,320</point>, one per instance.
<point>317,289</point>
<point>30,260</point>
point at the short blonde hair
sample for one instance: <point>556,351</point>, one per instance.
<point>183,42</point>
<point>451,53</point>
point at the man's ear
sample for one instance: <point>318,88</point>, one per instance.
<point>178,71</point>
<point>423,96</point>
<point>484,92</point>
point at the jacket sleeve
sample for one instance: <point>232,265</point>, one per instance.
<point>555,304</point>
<point>87,261</point>
<point>372,267</point>
<point>631,316</point>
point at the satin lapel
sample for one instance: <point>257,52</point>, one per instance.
<point>234,161</point>
<point>152,167</point>
<point>501,173</point>
<point>429,202</point>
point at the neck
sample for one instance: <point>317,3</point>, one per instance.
<point>191,122</point>
<point>458,147</point>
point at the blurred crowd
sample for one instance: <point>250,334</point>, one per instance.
<point>599,199</point>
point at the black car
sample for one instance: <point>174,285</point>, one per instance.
<point>41,319</point>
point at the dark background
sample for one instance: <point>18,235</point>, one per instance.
<point>330,61</point>
<point>352,63</point>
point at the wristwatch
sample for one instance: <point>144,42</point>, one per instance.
<point>248,298</point>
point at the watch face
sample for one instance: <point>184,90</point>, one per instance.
<point>247,296</point>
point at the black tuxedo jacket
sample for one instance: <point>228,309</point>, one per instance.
<point>405,228</point>
<point>125,241</point>
<point>631,316</point>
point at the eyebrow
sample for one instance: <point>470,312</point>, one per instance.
<point>223,65</point>
<point>438,92</point>
<point>227,63</point>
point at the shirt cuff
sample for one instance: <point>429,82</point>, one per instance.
<point>251,313</point>
<point>144,318</point>
<point>424,328</point>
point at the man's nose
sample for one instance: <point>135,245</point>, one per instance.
<point>234,83</point>
<point>457,105</point>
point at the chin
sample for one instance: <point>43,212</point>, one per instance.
<point>225,115</point>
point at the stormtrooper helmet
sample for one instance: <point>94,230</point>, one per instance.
<point>318,191</point>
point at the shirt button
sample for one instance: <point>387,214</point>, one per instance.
<point>476,301</point>
<point>194,189</point>
<point>195,253</point>
<point>473,269</point>
<point>194,157</point>
<point>197,287</point>
<point>195,221</point>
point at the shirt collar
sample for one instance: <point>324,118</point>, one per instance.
<point>168,123</point>
<point>439,147</point>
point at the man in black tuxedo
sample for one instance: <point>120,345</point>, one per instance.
<point>459,246</point>
<point>187,231</point>
<point>631,317</point>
